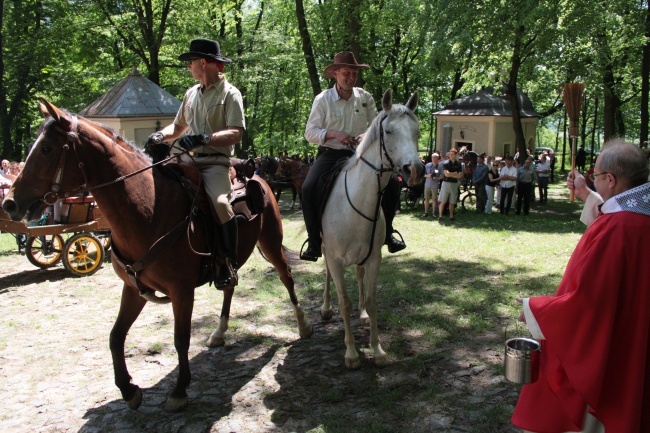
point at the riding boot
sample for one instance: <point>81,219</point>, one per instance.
<point>389,203</point>
<point>227,273</point>
<point>394,244</point>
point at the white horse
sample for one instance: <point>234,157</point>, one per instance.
<point>353,225</point>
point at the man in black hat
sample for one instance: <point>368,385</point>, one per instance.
<point>339,118</point>
<point>210,122</point>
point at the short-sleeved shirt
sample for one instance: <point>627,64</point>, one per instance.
<point>526,174</point>
<point>214,110</point>
<point>543,166</point>
<point>434,180</point>
<point>452,167</point>
<point>331,112</point>
<point>508,171</point>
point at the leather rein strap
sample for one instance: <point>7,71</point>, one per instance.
<point>158,247</point>
<point>380,192</point>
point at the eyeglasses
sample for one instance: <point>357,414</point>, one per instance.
<point>593,176</point>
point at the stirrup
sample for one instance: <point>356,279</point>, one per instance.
<point>229,279</point>
<point>308,254</point>
<point>396,246</point>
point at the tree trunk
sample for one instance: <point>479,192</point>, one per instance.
<point>645,81</point>
<point>612,115</point>
<point>4,121</point>
<point>307,48</point>
<point>564,136</point>
<point>511,91</point>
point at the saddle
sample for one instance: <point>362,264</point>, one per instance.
<point>247,199</point>
<point>326,183</point>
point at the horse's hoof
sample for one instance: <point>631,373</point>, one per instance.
<point>215,341</point>
<point>352,363</point>
<point>381,360</point>
<point>306,331</point>
<point>136,400</point>
<point>365,320</point>
<point>176,404</point>
<point>326,314</point>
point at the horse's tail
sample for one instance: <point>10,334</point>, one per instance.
<point>151,297</point>
<point>293,257</point>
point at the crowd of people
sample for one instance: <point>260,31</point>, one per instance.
<point>499,182</point>
<point>8,173</point>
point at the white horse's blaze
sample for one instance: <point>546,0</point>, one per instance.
<point>348,234</point>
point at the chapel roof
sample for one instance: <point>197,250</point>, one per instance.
<point>487,102</point>
<point>134,96</point>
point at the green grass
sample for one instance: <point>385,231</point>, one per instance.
<point>454,282</point>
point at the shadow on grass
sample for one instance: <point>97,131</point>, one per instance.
<point>441,323</point>
<point>439,326</point>
<point>217,375</point>
<point>35,276</point>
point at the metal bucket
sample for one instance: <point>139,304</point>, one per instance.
<point>521,360</point>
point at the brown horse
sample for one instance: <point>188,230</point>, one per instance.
<point>269,171</point>
<point>295,171</point>
<point>141,206</point>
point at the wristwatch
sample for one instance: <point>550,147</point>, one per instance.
<point>206,138</point>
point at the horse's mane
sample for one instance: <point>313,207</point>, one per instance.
<point>104,129</point>
<point>118,139</point>
<point>372,134</point>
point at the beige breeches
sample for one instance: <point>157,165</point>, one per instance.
<point>216,181</point>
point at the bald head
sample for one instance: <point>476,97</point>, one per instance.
<point>625,165</point>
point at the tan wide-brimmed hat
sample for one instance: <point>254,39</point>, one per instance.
<point>344,58</point>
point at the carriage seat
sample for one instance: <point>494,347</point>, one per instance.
<point>78,209</point>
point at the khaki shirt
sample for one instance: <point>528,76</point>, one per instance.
<point>214,110</point>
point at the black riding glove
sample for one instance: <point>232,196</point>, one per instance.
<point>155,147</point>
<point>155,138</point>
<point>189,142</point>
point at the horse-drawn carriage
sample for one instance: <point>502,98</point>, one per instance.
<point>80,241</point>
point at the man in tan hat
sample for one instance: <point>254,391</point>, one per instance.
<point>339,118</point>
<point>210,122</point>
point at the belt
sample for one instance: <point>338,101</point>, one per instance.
<point>451,180</point>
<point>204,155</point>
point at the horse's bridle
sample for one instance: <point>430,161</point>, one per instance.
<point>378,172</point>
<point>72,138</point>
<point>380,191</point>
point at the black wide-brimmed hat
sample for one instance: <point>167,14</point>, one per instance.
<point>206,49</point>
<point>344,58</point>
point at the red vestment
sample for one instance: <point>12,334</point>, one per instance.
<point>597,335</point>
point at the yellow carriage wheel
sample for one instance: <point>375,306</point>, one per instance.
<point>83,254</point>
<point>44,251</point>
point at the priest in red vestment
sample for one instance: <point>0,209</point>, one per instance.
<point>595,331</point>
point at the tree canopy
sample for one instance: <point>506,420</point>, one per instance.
<point>72,52</point>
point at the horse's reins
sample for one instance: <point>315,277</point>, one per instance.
<point>380,191</point>
<point>72,138</point>
<point>159,246</point>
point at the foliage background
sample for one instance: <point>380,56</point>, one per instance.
<point>73,51</point>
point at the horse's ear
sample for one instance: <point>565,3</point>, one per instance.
<point>387,100</point>
<point>413,101</point>
<point>43,108</point>
<point>49,109</point>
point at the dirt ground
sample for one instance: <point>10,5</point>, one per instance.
<point>56,370</point>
